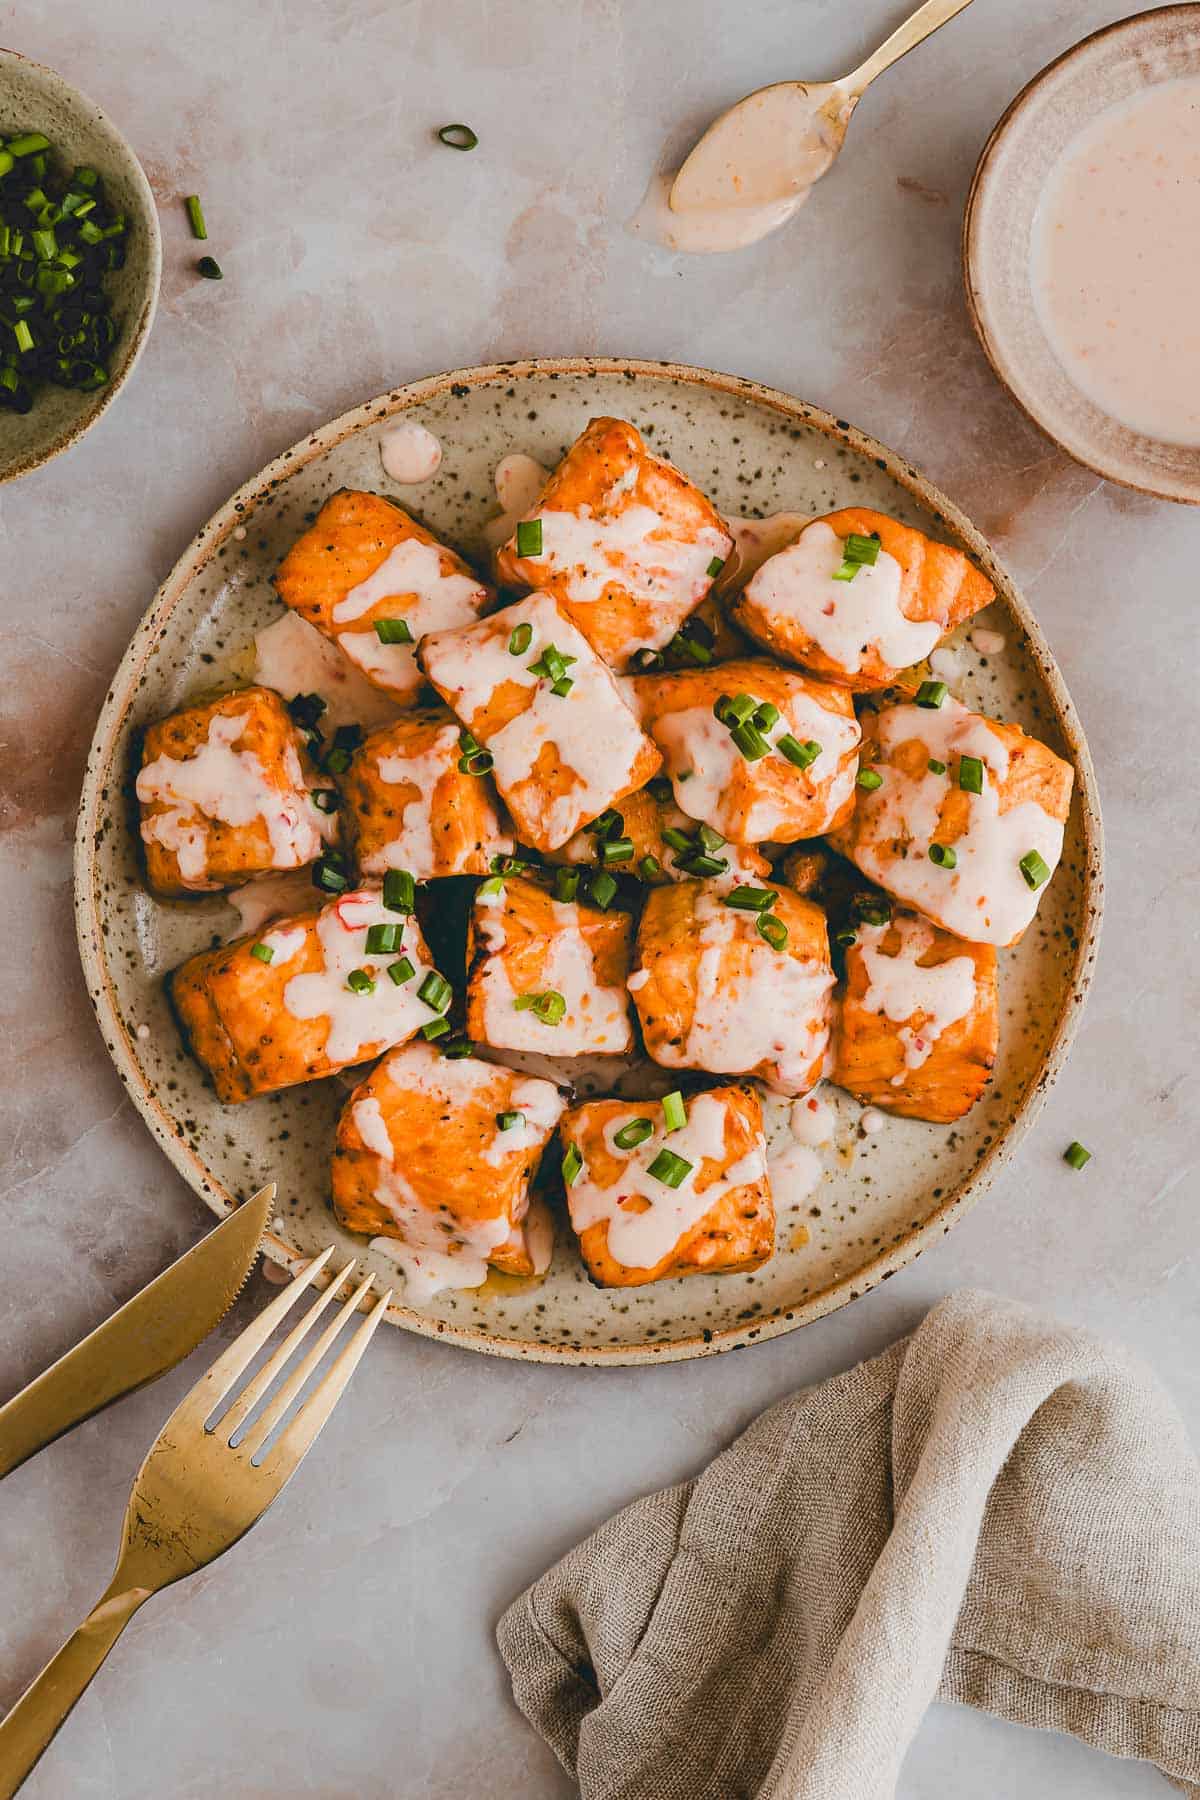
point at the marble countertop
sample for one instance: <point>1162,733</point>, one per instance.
<point>345,1648</point>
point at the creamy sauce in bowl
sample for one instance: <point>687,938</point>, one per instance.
<point>1115,256</point>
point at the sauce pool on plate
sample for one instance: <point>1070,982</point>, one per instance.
<point>1115,253</point>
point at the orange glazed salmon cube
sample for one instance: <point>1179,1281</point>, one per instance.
<point>859,621</point>
<point>790,777</point>
<point>435,1157</point>
<point>647,1203</point>
<point>227,792</point>
<point>964,819</point>
<point>625,544</point>
<point>547,975</point>
<point>275,1008</point>
<point>712,993</point>
<point>533,692</point>
<point>409,804</point>
<point>918,1020</point>
<point>375,581</point>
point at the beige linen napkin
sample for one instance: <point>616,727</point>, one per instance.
<point>999,1510</point>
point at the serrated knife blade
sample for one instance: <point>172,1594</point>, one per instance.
<point>148,1335</point>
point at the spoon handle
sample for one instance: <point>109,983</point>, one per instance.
<point>906,37</point>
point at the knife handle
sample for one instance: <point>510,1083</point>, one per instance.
<point>37,1715</point>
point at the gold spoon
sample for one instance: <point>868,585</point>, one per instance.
<point>766,152</point>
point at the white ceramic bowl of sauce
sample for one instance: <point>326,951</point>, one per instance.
<point>1081,251</point>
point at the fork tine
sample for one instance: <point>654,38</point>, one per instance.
<point>254,1440</point>
<point>212,1388</point>
<point>295,1442</point>
<point>254,1390</point>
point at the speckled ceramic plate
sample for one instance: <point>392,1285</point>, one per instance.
<point>882,1199</point>
<point>1114,63</point>
<point>33,97</point>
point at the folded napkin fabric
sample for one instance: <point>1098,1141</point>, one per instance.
<point>999,1510</point>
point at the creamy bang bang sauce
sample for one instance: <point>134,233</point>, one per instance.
<point>1115,254</point>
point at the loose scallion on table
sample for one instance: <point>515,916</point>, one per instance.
<point>59,239</point>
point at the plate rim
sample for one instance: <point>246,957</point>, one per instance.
<point>969,257</point>
<point>204,546</point>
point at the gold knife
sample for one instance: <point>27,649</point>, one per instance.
<point>149,1335</point>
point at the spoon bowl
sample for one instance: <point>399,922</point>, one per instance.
<point>758,162</point>
<point>771,147</point>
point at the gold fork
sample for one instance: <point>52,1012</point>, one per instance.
<point>196,1494</point>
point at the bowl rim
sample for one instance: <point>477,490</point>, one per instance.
<point>970,236</point>
<point>73,430</point>
<point>204,547</point>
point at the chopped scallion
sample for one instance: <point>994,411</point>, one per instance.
<point>383,939</point>
<point>931,694</point>
<point>602,889</point>
<point>935,767</point>
<point>860,549</point>
<point>360,981</point>
<point>399,891</point>
<point>520,640</point>
<point>649,867</point>
<point>617,850</point>
<point>401,971</point>
<point>436,992</point>
<point>506,1121</point>
<point>27,143</point>
<point>436,1028</point>
<point>633,1134</point>
<point>750,741</point>
<point>1034,868</point>
<point>766,714</point>
<point>751,899</point>
<point>549,1007</point>
<point>670,1169</point>
<point>734,709</point>
<point>457,137</point>
<point>263,952</point>
<point>772,929</point>
<point>329,874</point>
<point>869,780</point>
<point>393,631</point>
<point>802,755</point>
<point>1076,1155</point>
<point>566,884</point>
<point>715,567</point>
<point>529,537</point>
<point>572,1165</point>
<point>943,856</point>
<point>493,885</point>
<point>970,774</point>
<point>674,1111</point>
<point>195,213</point>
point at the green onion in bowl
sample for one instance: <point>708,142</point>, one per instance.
<point>59,240</point>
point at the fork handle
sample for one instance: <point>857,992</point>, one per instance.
<point>37,1715</point>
